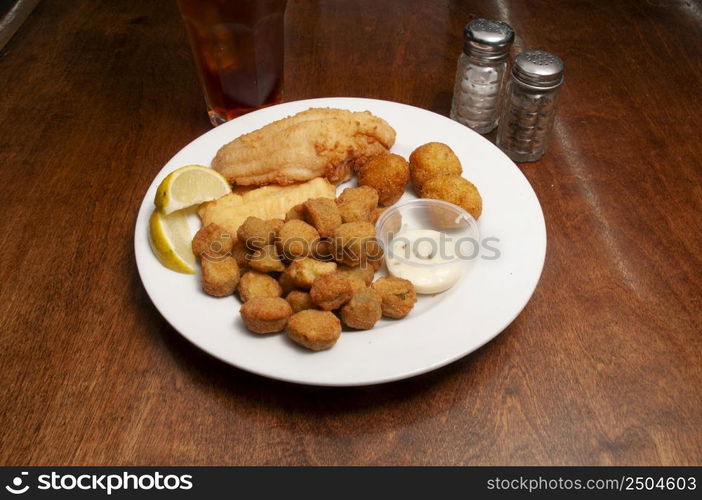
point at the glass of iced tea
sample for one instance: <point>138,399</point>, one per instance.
<point>238,49</point>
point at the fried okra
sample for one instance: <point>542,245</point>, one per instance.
<point>266,314</point>
<point>314,329</point>
<point>266,260</point>
<point>299,300</point>
<point>397,295</point>
<point>331,291</point>
<point>457,190</point>
<point>363,310</point>
<point>296,239</point>
<point>220,276</point>
<point>354,244</point>
<point>256,233</point>
<point>303,272</point>
<point>212,241</point>
<point>323,214</point>
<point>356,204</point>
<point>432,160</point>
<point>388,174</point>
<point>255,284</point>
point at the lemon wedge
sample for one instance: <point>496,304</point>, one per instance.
<point>188,186</point>
<point>169,236</point>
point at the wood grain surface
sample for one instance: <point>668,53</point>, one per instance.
<point>604,365</point>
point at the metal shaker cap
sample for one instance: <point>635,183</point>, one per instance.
<point>488,38</point>
<point>538,68</point>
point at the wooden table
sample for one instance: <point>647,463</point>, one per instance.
<point>604,366</point>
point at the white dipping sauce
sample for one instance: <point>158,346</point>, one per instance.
<point>425,257</point>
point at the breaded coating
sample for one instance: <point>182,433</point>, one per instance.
<point>296,213</point>
<point>360,276</point>
<point>240,254</point>
<point>398,296</point>
<point>323,214</point>
<point>356,204</point>
<point>331,291</point>
<point>457,190</point>
<point>322,250</point>
<point>388,174</point>
<point>286,282</point>
<point>432,160</point>
<point>299,301</point>
<point>256,233</point>
<point>375,214</point>
<point>266,314</point>
<point>296,239</point>
<point>303,272</point>
<point>363,310</point>
<point>314,329</point>
<point>255,284</point>
<point>220,276</point>
<point>266,260</point>
<point>354,243</point>
<point>212,241</point>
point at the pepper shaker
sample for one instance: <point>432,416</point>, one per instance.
<point>530,105</point>
<point>480,75</point>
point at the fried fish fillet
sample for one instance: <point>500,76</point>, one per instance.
<point>266,202</point>
<point>319,142</point>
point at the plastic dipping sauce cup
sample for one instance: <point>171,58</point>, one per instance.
<point>431,243</point>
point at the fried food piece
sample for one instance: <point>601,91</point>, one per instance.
<point>363,311</point>
<point>388,174</point>
<point>240,254</point>
<point>266,314</point>
<point>296,239</point>
<point>331,291</point>
<point>457,190</point>
<point>356,204</point>
<point>319,142</point>
<point>212,241</point>
<point>296,213</point>
<point>354,243</point>
<point>375,214</point>
<point>255,284</point>
<point>432,160</point>
<point>220,276</point>
<point>299,301</point>
<point>323,214</point>
<point>266,260</point>
<point>303,272</point>
<point>255,233</point>
<point>397,295</point>
<point>314,329</point>
<point>322,250</point>
<point>267,202</point>
<point>286,282</point>
<point>360,277</point>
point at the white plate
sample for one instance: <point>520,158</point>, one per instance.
<point>438,331</point>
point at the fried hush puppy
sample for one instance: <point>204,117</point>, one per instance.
<point>457,190</point>
<point>397,295</point>
<point>431,160</point>
<point>314,329</point>
<point>296,239</point>
<point>363,310</point>
<point>212,241</point>
<point>331,291</point>
<point>299,301</point>
<point>220,276</point>
<point>266,260</point>
<point>360,277</point>
<point>354,244</point>
<point>356,204</point>
<point>388,174</point>
<point>323,214</point>
<point>266,314</point>
<point>255,233</point>
<point>255,284</point>
<point>303,272</point>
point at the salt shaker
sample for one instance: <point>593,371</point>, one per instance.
<point>481,74</point>
<point>530,105</point>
